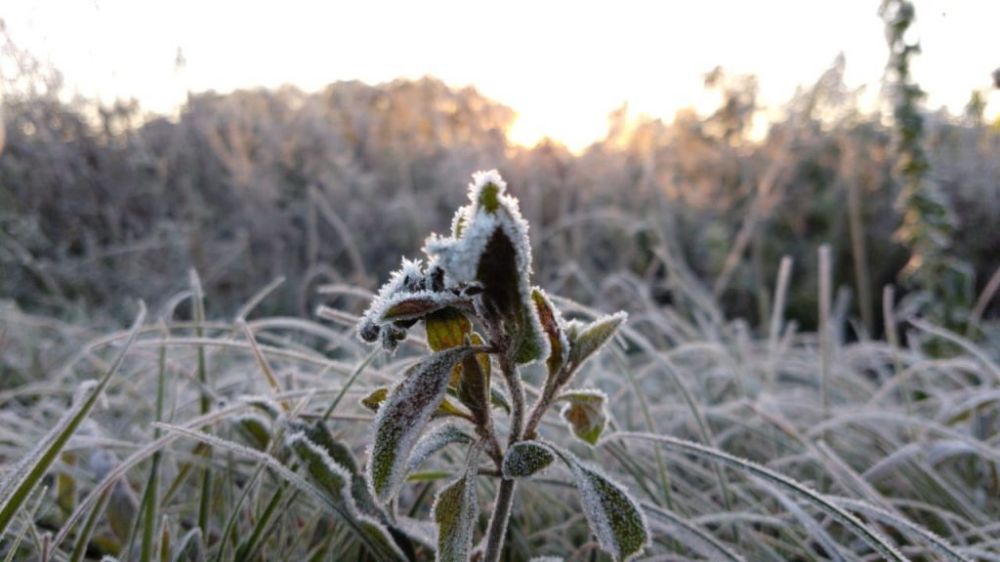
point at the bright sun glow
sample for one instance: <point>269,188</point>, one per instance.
<point>563,66</point>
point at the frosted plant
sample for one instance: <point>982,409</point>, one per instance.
<point>480,313</point>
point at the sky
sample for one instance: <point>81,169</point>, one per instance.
<point>563,66</point>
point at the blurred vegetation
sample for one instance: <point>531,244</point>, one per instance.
<point>102,203</point>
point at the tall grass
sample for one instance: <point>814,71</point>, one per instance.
<point>750,458</point>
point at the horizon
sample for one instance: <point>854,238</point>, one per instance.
<point>562,80</point>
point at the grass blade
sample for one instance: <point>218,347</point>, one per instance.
<point>15,490</point>
<point>870,536</point>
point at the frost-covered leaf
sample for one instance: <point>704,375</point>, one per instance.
<point>410,294</point>
<point>456,510</point>
<point>614,516</point>
<point>319,435</point>
<point>526,458</point>
<point>373,401</point>
<point>408,278</point>
<point>402,418</point>
<point>255,429</point>
<point>409,306</point>
<point>422,531</point>
<point>329,475</point>
<point>375,398</point>
<point>490,247</point>
<point>264,404</point>
<point>499,400</point>
<point>376,533</point>
<point>551,323</point>
<point>585,413</point>
<point>585,340</point>
<point>545,559</point>
<point>435,440</point>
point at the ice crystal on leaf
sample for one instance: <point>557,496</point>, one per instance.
<point>489,246</point>
<point>455,511</point>
<point>585,413</point>
<point>402,417</point>
<point>526,458</point>
<point>614,516</point>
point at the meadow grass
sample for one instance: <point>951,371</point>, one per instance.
<point>776,446</point>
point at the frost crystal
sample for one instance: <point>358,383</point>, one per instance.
<point>402,418</point>
<point>526,458</point>
<point>489,245</point>
<point>411,293</point>
<point>331,475</point>
<point>614,517</point>
<point>434,441</point>
<point>586,339</point>
<point>456,510</point>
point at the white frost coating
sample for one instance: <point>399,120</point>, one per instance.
<point>252,417</point>
<point>590,338</point>
<point>440,300</point>
<point>460,219</point>
<point>483,178</point>
<point>264,403</point>
<point>590,395</point>
<point>526,458</point>
<point>424,532</point>
<point>402,418</point>
<point>546,559</point>
<point>459,255</point>
<point>456,511</point>
<point>408,270</point>
<point>434,441</point>
<point>595,507</point>
<point>377,532</point>
<point>294,438</point>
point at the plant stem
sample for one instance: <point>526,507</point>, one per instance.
<point>498,522</point>
<point>505,493</point>
<point>517,399</point>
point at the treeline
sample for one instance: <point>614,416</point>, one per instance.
<point>101,205</point>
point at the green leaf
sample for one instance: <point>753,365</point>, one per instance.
<point>474,382</point>
<point>402,418</point>
<point>446,328</point>
<point>585,413</point>
<point>434,441</point>
<point>589,338</point>
<point>378,535</point>
<point>329,475</point>
<point>319,435</point>
<point>446,408</point>
<point>614,516</point>
<point>526,458</point>
<point>375,398</point>
<point>18,483</point>
<point>499,400</point>
<point>456,511</point>
<point>255,429</point>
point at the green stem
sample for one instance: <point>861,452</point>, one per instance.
<point>498,522</point>
<point>505,493</point>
